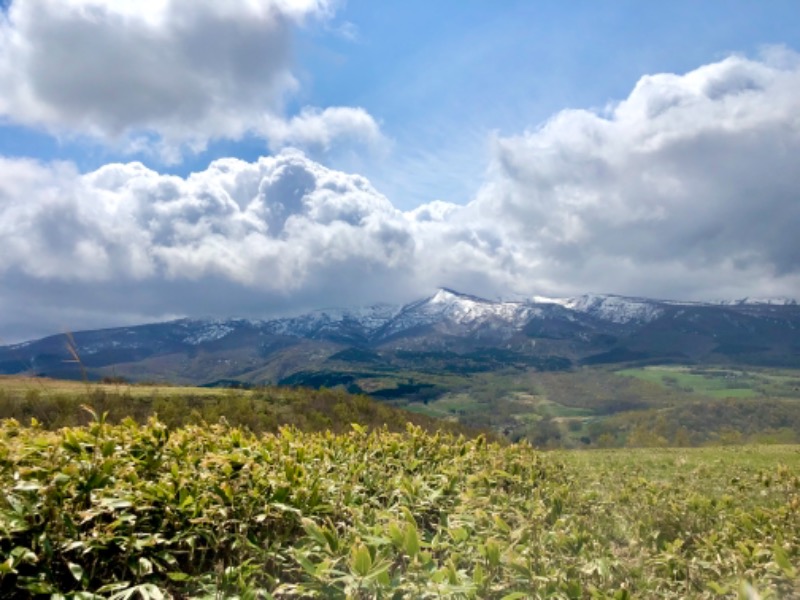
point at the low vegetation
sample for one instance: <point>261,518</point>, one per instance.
<point>283,496</point>
<point>149,511</point>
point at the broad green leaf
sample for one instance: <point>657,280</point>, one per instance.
<point>76,570</point>
<point>307,565</point>
<point>783,561</point>
<point>7,567</point>
<point>396,534</point>
<point>478,575</point>
<point>314,532</point>
<point>411,542</point>
<point>361,561</point>
<point>501,524</point>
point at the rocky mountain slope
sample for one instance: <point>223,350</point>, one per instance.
<point>447,332</point>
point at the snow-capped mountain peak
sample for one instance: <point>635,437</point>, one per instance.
<point>464,308</point>
<point>449,309</point>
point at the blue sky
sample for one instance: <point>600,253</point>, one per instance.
<point>489,108</point>
<point>441,75</point>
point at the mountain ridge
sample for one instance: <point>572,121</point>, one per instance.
<point>584,329</point>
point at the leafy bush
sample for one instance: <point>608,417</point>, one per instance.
<point>134,510</point>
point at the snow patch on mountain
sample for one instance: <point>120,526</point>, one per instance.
<point>369,318</point>
<point>209,331</point>
<point>616,309</point>
<point>548,300</point>
<point>465,310</point>
<point>451,308</point>
<point>777,301</point>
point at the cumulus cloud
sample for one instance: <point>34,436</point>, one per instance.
<point>269,224</point>
<point>319,129</point>
<point>685,189</point>
<point>163,74</point>
<point>270,233</point>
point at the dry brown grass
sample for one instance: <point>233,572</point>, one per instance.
<point>47,386</point>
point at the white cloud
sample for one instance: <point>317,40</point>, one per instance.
<point>268,224</point>
<point>164,74</point>
<point>688,188</point>
<point>318,129</point>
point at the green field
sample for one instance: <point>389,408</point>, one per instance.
<point>720,382</point>
<point>131,511</point>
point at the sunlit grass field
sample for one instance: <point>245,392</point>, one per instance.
<point>50,387</point>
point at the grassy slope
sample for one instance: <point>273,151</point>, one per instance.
<point>57,403</point>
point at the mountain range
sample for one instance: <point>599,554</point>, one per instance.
<point>448,332</point>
